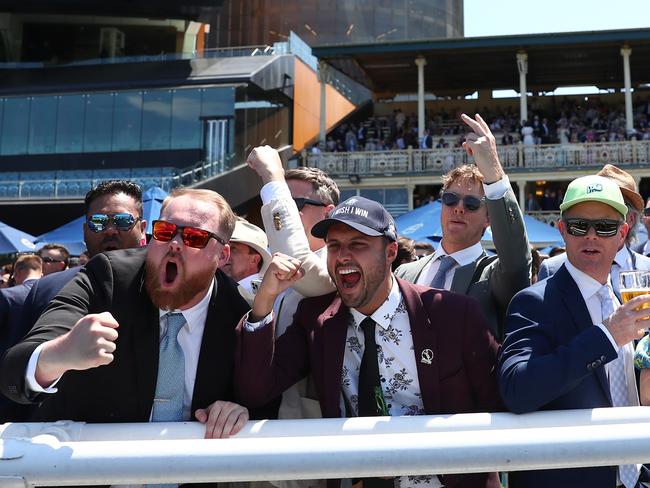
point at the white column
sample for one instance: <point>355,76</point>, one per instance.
<point>629,121</point>
<point>322,76</point>
<point>522,66</point>
<point>521,184</point>
<point>421,63</point>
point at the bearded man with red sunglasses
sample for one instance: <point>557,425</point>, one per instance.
<point>473,198</point>
<point>141,334</point>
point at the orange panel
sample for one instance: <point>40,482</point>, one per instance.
<point>306,106</point>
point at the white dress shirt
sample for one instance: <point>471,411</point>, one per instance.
<point>493,191</point>
<point>189,338</point>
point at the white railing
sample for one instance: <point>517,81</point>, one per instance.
<point>523,157</point>
<point>78,454</point>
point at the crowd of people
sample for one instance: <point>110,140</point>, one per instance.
<point>564,122</point>
<point>219,320</point>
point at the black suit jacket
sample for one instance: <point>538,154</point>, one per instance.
<point>123,391</point>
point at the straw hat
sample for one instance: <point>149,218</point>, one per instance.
<point>627,184</point>
<point>254,237</point>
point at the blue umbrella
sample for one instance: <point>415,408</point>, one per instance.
<point>14,240</point>
<point>71,235</point>
<point>422,223</point>
<point>151,202</point>
<point>539,234</point>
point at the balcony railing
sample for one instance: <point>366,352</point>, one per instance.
<point>514,158</point>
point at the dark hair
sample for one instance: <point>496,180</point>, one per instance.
<point>405,252</point>
<point>113,187</point>
<point>55,247</point>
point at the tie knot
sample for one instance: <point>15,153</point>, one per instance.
<point>175,322</point>
<point>446,263</point>
<point>603,293</point>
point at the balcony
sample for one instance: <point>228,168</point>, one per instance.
<point>515,159</point>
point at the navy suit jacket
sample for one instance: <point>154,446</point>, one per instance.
<point>553,358</point>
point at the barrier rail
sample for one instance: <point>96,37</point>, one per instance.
<point>68,453</point>
<point>518,157</point>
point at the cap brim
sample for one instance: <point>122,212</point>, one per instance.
<point>320,229</point>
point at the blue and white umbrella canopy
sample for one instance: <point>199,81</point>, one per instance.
<point>71,235</point>
<point>13,240</point>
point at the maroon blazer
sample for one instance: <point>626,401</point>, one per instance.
<point>461,377</point>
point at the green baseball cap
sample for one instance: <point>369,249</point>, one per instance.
<point>594,188</point>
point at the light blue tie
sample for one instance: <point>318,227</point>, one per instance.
<point>170,385</point>
<point>627,473</point>
<point>446,263</point>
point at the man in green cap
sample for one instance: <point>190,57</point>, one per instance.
<point>568,341</point>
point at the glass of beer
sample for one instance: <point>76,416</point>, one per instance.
<point>633,284</point>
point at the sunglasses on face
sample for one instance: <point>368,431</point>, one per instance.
<point>122,221</point>
<point>192,236</point>
<point>48,259</point>
<point>301,202</point>
<point>603,227</point>
<point>470,202</point>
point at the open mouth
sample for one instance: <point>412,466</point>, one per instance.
<point>171,272</point>
<point>591,252</point>
<point>349,277</point>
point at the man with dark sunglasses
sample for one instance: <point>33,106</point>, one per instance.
<point>55,258</point>
<point>569,343</point>
<point>474,197</point>
<point>626,259</point>
<point>174,313</point>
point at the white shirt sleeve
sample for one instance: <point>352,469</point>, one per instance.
<point>30,374</point>
<point>253,326</point>
<point>274,190</point>
<point>498,189</point>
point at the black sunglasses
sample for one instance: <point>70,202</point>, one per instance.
<point>301,202</point>
<point>470,202</point>
<point>122,221</point>
<point>646,212</point>
<point>603,227</point>
<point>192,236</point>
<point>48,259</point>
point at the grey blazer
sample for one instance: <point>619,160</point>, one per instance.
<point>502,277</point>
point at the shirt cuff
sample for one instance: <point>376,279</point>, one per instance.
<point>609,336</point>
<point>496,190</point>
<point>274,190</point>
<point>253,326</point>
<point>30,375</point>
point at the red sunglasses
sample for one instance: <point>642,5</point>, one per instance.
<point>192,236</point>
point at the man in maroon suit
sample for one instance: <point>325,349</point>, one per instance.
<point>430,351</point>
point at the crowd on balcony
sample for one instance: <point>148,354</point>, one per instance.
<point>567,121</point>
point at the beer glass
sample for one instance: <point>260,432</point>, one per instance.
<point>633,284</point>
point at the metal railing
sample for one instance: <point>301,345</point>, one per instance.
<point>514,158</point>
<point>69,453</point>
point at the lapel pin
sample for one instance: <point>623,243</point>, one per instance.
<point>427,356</point>
<point>277,222</point>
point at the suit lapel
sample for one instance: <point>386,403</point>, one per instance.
<point>333,332</point>
<point>146,340</point>
<point>463,276</point>
<point>421,265</point>
<point>577,310</point>
<point>425,346</point>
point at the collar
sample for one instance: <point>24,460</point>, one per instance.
<point>624,259</point>
<point>247,282</point>
<point>586,284</point>
<point>385,313</point>
<point>462,257</point>
<point>193,314</point>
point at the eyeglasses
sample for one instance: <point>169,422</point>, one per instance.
<point>603,227</point>
<point>48,259</point>
<point>123,221</point>
<point>301,202</point>
<point>192,236</point>
<point>470,202</point>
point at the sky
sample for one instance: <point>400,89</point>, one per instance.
<point>504,17</point>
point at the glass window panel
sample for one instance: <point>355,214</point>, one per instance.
<point>218,102</point>
<point>2,108</point>
<point>99,122</point>
<point>15,127</point>
<point>186,123</point>
<point>345,194</point>
<point>127,121</point>
<point>156,119</point>
<point>42,125</point>
<point>396,196</point>
<point>374,194</point>
<point>69,124</point>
